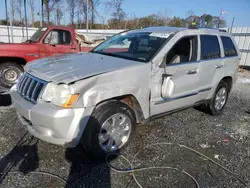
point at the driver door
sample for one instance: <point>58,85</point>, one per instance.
<point>59,41</point>
<point>174,84</point>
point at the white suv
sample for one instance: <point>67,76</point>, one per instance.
<point>97,98</point>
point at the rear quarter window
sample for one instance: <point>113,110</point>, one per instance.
<point>228,46</point>
<point>210,48</point>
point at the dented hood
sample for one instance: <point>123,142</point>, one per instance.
<point>73,67</point>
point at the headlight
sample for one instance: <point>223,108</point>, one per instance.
<point>59,95</point>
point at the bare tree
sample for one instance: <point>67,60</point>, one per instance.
<point>72,5</point>
<point>190,13</point>
<point>32,11</point>
<point>164,17</point>
<point>191,18</point>
<point>13,10</point>
<point>58,13</point>
<point>118,15</point>
<point>105,11</point>
<point>81,11</point>
<point>18,7</point>
<point>93,5</point>
<point>47,10</point>
<point>49,7</point>
<point>132,22</point>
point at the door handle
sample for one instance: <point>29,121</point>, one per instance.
<point>73,48</point>
<point>218,66</point>
<point>193,71</point>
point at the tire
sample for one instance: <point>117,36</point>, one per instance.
<point>101,117</point>
<point>211,107</point>
<point>9,73</point>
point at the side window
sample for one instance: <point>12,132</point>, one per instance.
<point>58,37</point>
<point>51,38</point>
<point>229,48</point>
<point>210,48</point>
<point>185,50</point>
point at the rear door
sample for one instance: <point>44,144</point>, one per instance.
<point>211,64</point>
<point>59,41</point>
<point>231,60</point>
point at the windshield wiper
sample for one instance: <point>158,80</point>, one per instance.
<point>116,55</point>
<point>107,53</point>
<point>96,52</point>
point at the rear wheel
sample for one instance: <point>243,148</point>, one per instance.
<point>9,73</point>
<point>218,102</point>
<point>109,129</point>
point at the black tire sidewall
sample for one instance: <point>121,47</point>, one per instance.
<point>212,109</point>
<point>5,83</point>
<point>100,115</point>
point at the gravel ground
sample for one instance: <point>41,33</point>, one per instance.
<point>224,138</point>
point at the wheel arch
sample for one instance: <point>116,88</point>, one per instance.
<point>19,60</point>
<point>229,81</point>
<point>131,101</point>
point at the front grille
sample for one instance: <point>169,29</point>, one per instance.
<point>30,87</point>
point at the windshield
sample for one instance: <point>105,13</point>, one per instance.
<point>38,34</point>
<point>138,46</point>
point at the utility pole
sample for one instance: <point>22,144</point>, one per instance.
<point>40,13</point>
<point>64,17</point>
<point>26,23</point>
<point>232,25</point>
<point>57,20</point>
<point>7,20</point>
<point>87,17</point>
<point>11,20</point>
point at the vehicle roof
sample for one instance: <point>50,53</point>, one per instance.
<point>165,29</point>
<point>160,29</point>
<point>59,27</point>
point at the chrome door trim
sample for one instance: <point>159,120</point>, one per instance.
<point>182,96</point>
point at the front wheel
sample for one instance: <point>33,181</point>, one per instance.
<point>109,129</point>
<point>9,73</point>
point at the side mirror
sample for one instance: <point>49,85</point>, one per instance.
<point>167,87</point>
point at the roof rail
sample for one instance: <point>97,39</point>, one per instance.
<point>221,30</point>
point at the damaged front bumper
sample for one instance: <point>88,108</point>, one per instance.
<point>50,123</point>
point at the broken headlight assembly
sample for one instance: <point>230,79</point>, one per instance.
<point>59,95</point>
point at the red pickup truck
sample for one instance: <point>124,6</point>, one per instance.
<point>46,41</point>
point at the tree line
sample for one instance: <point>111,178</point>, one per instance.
<point>102,14</point>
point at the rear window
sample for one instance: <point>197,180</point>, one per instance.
<point>210,48</point>
<point>229,48</point>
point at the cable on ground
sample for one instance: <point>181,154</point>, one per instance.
<point>8,170</point>
<point>43,173</point>
<point>133,170</point>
